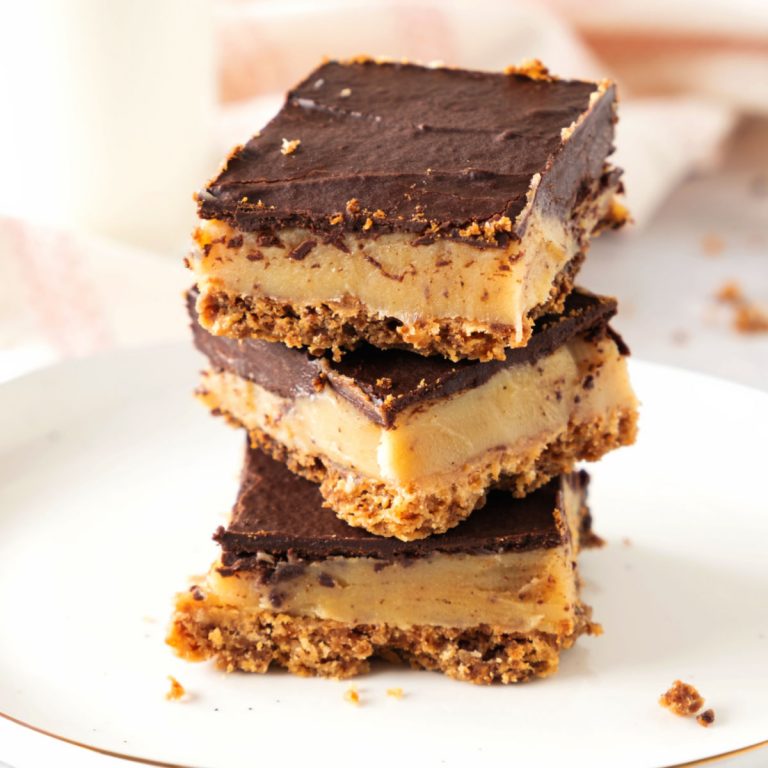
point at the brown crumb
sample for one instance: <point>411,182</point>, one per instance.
<point>706,718</point>
<point>352,696</point>
<point>384,382</point>
<point>368,224</point>
<point>532,68</point>
<point>712,244</point>
<point>682,699</point>
<point>395,693</point>
<point>493,227</point>
<point>353,205</point>
<point>360,58</point>
<point>626,541</point>
<point>289,146</point>
<point>337,218</point>
<point>680,337</point>
<point>176,691</point>
<point>472,230</point>
<point>379,214</point>
<point>749,317</point>
<point>216,638</point>
<point>594,629</point>
<point>730,292</point>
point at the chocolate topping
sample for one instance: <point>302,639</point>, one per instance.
<point>279,514</point>
<point>429,151</point>
<point>382,383</point>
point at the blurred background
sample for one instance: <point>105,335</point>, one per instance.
<point>115,113</point>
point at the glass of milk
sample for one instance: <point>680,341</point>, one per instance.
<point>106,122</point>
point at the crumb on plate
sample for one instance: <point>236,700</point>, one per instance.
<point>751,318</point>
<point>176,691</point>
<point>706,718</point>
<point>682,699</point>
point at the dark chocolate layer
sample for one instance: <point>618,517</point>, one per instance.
<point>427,151</point>
<point>281,514</point>
<point>382,383</point>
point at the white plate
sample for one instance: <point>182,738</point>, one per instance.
<point>112,479</point>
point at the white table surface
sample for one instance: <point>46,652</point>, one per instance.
<point>666,282</point>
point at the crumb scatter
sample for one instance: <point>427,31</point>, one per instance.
<point>706,718</point>
<point>749,316</point>
<point>352,696</point>
<point>682,699</point>
<point>176,691</point>
<point>289,146</point>
<point>532,68</point>
<point>395,693</point>
<point>730,292</point>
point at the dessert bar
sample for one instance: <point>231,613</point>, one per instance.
<point>407,446</point>
<point>494,599</point>
<point>436,209</point>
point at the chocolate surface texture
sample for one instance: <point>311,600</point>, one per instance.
<point>403,148</point>
<point>382,383</point>
<point>277,512</point>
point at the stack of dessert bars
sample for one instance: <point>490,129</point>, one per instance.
<point>384,293</point>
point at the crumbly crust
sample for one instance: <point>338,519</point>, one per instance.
<point>412,513</point>
<point>343,325</point>
<point>251,640</point>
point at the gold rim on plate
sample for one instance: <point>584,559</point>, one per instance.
<point>161,764</point>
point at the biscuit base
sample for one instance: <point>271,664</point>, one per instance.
<point>412,512</point>
<point>253,640</point>
<point>343,325</point>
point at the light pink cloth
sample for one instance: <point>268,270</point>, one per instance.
<point>65,295</point>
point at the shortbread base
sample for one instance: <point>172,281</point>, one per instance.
<point>253,640</point>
